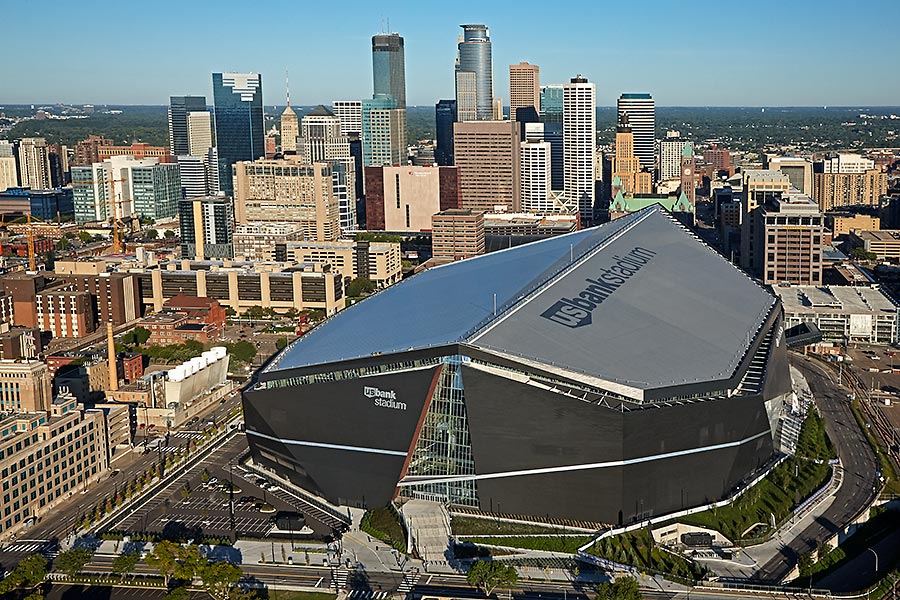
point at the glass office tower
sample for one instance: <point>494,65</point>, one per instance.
<point>475,57</point>
<point>444,117</point>
<point>240,133</point>
<point>179,107</point>
<point>388,67</point>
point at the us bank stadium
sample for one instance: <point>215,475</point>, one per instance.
<point>609,374</point>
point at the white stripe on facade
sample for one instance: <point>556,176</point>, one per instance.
<point>328,446</point>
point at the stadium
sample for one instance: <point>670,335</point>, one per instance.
<point>610,374</point>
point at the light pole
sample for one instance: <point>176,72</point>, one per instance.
<point>876,559</point>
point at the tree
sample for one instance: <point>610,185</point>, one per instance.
<point>63,244</point>
<point>152,234</point>
<point>624,588</point>
<point>360,286</point>
<point>859,253</point>
<point>190,562</point>
<point>179,593</point>
<point>280,343</point>
<point>242,350</point>
<point>138,336</point>
<point>489,575</point>
<point>220,579</point>
<point>124,564</point>
<point>29,572</point>
<point>169,234</point>
<point>85,237</point>
<point>71,562</point>
<point>164,558</point>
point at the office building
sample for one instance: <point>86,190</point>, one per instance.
<point>122,185</point>
<point>256,241</point>
<point>287,191</point>
<point>628,176</point>
<point>535,176</point>
<point>788,241</point>
<point>487,156</point>
<point>180,107</point>
<point>25,386</point>
<point>200,139</point>
<point>388,67</point>
<point>798,170</point>
<point>844,314</point>
<point>321,141</point>
<point>242,285</point>
<point>759,187</point>
<point>444,117</point>
<point>34,163</point>
<point>383,132</point>
<point>530,347</point>
<point>350,114</point>
<point>65,314</point>
<point>524,88</point>
<point>405,198</point>
<point>474,75</point>
<point>503,230</point>
<point>842,224</point>
<point>239,122</point>
<point>47,205</point>
<point>193,175</point>
<point>884,243</point>
<point>87,151</point>
<point>59,164</point>
<point>719,159</point>
<point>579,144</point>
<point>847,180</point>
<point>51,455</point>
<point>551,104</point>
<point>379,262</point>
<point>641,111</point>
<point>206,227</point>
<point>115,297</point>
<point>457,233</point>
<point>670,150</point>
<point>290,130</point>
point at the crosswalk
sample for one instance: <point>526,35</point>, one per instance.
<point>339,577</point>
<point>409,581</point>
<point>48,548</point>
<point>367,595</point>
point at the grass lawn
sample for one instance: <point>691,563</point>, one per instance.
<point>384,524</point>
<point>556,543</point>
<point>780,491</point>
<point>637,549</point>
<point>472,526</point>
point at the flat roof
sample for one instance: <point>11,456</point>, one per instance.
<point>877,235</point>
<point>638,301</point>
<point>847,299</point>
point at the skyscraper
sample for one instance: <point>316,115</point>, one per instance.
<point>444,117</point>
<point>551,108</point>
<point>289,130</point>
<point>641,111</point>
<point>199,129</point>
<point>524,88</point>
<point>179,107</point>
<point>579,143</point>
<point>122,185</point>
<point>8,176</point>
<point>474,75</point>
<point>670,149</point>
<point>535,174</point>
<point>626,164</point>
<point>239,122</point>
<point>34,163</point>
<point>487,154</point>
<point>206,227</point>
<point>350,114</point>
<point>321,141</point>
<point>383,132</point>
<point>388,67</point>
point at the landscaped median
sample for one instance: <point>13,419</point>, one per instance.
<point>384,524</point>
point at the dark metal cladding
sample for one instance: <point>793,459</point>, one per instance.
<point>354,435</point>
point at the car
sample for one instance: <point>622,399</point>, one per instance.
<point>212,481</point>
<point>264,485</point>
<point>274,488</point>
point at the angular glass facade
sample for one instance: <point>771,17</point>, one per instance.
<point>179,107</point>
<point>388,67</point>
<point>475,57</point>
<point>240,133</point>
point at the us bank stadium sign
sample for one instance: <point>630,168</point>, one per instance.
<point>577,311</point>
<point>384,398</point>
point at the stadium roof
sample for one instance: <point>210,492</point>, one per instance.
<point>639,302</point>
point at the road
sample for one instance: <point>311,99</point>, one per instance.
<point>858,461</point>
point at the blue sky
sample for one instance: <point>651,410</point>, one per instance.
<point>762,53</point>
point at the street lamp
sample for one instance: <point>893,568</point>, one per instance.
<point>876,559</point>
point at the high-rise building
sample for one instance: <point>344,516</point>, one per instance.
<point>718,158</point>
<point>405,198</point>
<point>759,187</point>
<point>487,154</point>
<point>194,179</point>
<point>524,88</point>
<point>551,109</point>
<point>350,114</point>
<point>27,386</point>
<point>457,234</point>
<point>59,164</point>
<point>388,67</point>
<point>535,161</point>
<point>34,163</point>
<point>641,111</point>
<point>87,151</point>
<point>288,191</point>
<point>207,226</point>
<point>670,149</point>
<point>289,130</point>
<point>444,118</point>
<point>847,180</point>
<point>179,108</point>
<point>626,166</point>
<point>239,122</point>
<point>787,246</point>
<point>9,178</point>
<point>474,75</point>
<point>799,171</point>
<point>579,143</point>
<point>689,173</point>
<point>383,132</point>
<point>199,125</point>
<point>321,141</point>
<point>122,185</point>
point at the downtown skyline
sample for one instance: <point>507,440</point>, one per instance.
<point>808,62</point>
